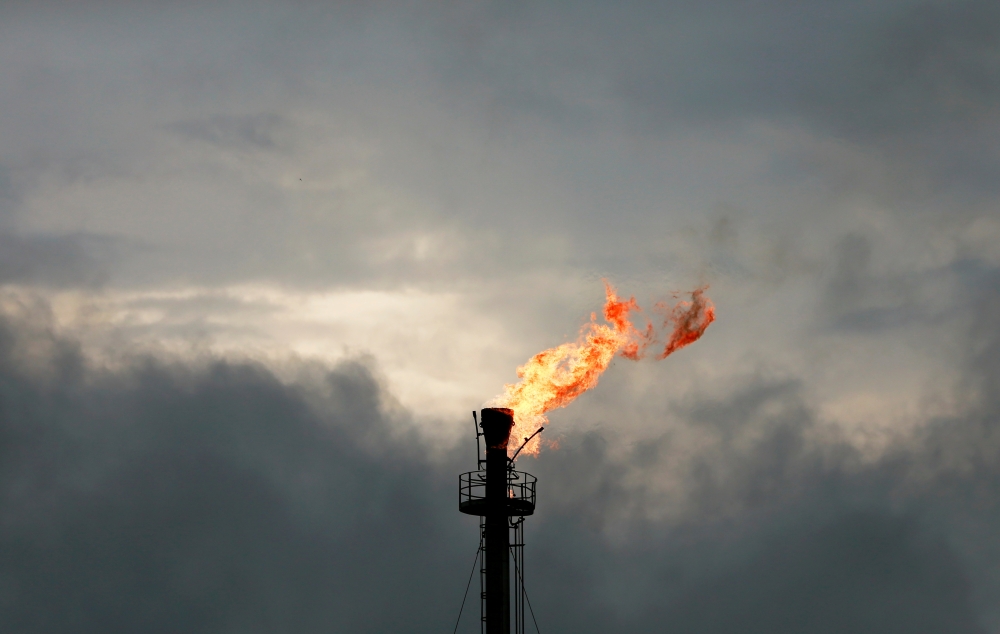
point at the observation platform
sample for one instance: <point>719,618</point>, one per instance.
<point>520,493</point>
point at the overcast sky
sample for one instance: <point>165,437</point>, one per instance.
<point>259,261</point>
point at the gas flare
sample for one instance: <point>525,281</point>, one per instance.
<point>553,378</point>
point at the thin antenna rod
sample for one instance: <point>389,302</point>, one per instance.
<point>537,431</point>
<point>479,451</point>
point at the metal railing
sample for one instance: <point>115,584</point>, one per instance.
<point>520,492</point>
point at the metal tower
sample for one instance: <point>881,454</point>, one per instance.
<point>502,497</point>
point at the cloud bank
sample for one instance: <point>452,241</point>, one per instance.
<point>212,496</point>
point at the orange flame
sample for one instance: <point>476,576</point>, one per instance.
<point>554,378</point>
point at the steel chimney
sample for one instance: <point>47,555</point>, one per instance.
<point>498,494</point>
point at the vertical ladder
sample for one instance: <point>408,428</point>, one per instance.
<point>517,552</point>
<point>482,576</point>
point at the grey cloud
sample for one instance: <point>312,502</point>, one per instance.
<point>56,260</point>
<point>213,497</point>
<point>47,259</point>
<point>9,196</point>
<point>913,81</point>
<point>265,131</point>
<point>861,573</point>
<point>532,131</point>
<point>859,68</point>
<point>780,537</point>
<point>44,258</point>
<point>786,527</point>
<point>859,298</point>
<point>969,446</point>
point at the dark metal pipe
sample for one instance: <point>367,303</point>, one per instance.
<point>497,423</point>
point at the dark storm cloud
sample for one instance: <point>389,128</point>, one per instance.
<point>165,496</point>
<point>780,535</point>
<point>860,573</point>
<point>983,287</point>
<point>786,526</point>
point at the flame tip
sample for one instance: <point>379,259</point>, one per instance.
<point>553,378</point>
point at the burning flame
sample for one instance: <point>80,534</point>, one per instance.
<point>553,378</point>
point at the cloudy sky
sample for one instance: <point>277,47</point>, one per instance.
<point>259,262</point>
